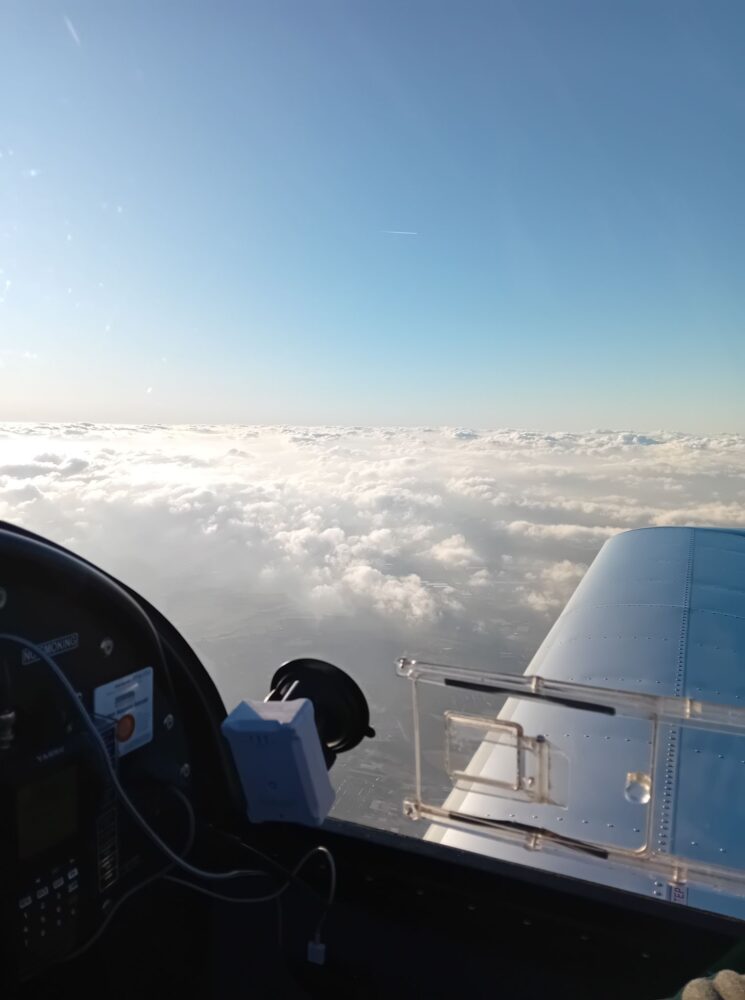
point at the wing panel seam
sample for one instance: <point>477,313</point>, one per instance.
<point>670,773</point>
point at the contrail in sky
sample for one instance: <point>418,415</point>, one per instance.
<point>71,28</point>
<point>399,232</point>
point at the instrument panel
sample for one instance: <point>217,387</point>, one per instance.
<point>68,848</point>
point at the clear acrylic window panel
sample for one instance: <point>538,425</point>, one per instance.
<point>634,781</point>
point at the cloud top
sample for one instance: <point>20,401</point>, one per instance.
<point>460,543</point>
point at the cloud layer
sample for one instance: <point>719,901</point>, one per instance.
<point>357,544</point>
<point>413,527</point>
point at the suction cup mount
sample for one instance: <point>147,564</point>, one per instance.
<point>342,714</point>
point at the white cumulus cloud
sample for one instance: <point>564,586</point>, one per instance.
<point>269,542</point>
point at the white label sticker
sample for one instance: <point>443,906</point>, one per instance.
<point>679,894</point>
<point>129,700</point>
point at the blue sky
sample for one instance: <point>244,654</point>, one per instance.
<point>197,206</point>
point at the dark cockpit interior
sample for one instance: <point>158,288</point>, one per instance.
<point>129,865</point>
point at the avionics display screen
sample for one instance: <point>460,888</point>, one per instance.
<point>47,812</point>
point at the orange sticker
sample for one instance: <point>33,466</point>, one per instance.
<point>125,728</point>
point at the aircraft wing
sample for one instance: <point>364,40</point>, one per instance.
<point>661,611</point>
